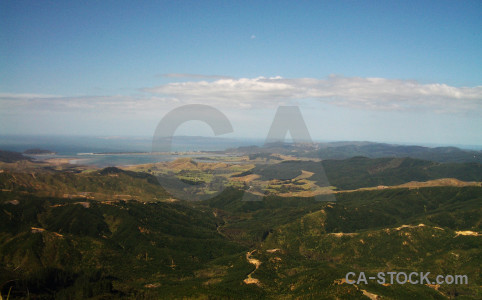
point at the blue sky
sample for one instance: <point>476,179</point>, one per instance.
<point>396,71</point>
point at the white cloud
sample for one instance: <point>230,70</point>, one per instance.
<point>12,96</point>
<point>196,76</point>
<point>262,92</point>
<point>253,37</point>
<point>243,92</point>
<point>36,103</point>
<point>356,92</point>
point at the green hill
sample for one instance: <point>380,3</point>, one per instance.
<point>106,184</point>
<point>57,247</point>
<point>358,172</point>
<point>10,156</point>
<point>344,150</point>
<point>78,235</point>
<point>378,231</point>
<point>379,150</point>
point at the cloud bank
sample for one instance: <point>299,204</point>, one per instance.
<point>196,76</point>
<point>355,92</point>
<point>38,103</point>
<point>378,94</point>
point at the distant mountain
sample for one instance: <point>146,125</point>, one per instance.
<point>359,171</point>
<point>375,150</point>
<point>343,150</point>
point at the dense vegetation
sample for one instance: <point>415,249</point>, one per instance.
<point>107,184</point>
<point>358,172</point>
<point>344,150</point>
<point>376,150</point>
<point>64,247</point>
<point>72,248</point>
<point>111,233</point>
<point>10,156</point>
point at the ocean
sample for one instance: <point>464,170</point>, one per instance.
<point>104,151</point>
